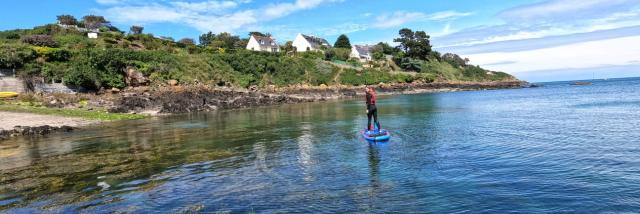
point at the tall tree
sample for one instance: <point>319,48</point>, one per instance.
<point>342,42</point>
<point>67,20</point>
<point>135,30</point>
<point>415,44</point>
<point>259,34</point>
<point>288,47</point>
<point>207,38</point>
<point>225,40</point>
<point>93,21</point>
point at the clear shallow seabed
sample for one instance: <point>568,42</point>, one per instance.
<point>557,148</point>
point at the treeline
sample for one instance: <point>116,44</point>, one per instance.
<point>62,52</point>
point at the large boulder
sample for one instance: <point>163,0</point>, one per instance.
<point>135,78</point>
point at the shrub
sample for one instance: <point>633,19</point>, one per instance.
<point>40,40</point>
<point>53,54</point>
<point>15,55</point>
<point>74,41</point>
<point>95,68</point>
<point>442,70</point>
<point>12,35</point>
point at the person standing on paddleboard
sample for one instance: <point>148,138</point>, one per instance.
<point>372,110</point>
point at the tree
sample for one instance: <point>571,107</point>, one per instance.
<point>288,47</point>
<point>67,20</point>
<point>15,55</point>
<point>415,44</point>
<point>241,44</point>
<point>93,21</point>
<point>259,34</point>
<point>136,29</point>
<point>342,42</point>
<point>207,38</point>
<point>222,40</point>
<point>387,49</point>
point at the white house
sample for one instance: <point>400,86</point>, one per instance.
<point>262,43</point>
<point>304,43</point>
<point>92,35</point>
<point>362,52</point>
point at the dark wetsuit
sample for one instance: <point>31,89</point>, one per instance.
<point>372,110</point>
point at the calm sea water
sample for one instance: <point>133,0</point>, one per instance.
<point>557,148</point>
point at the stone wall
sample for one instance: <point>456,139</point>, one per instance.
<point>8,82</point>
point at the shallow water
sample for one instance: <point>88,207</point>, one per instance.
<point>558,148</point>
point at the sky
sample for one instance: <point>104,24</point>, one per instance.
<point>535,40</point>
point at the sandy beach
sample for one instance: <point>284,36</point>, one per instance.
<point>8,120</point>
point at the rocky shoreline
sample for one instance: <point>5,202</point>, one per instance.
<point>32,131</point>
<point>174,100</point>
<point>202,98</point>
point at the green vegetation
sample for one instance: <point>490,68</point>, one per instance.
<point>65,53</point>
<point>80,113</point>
<point>342,42</point>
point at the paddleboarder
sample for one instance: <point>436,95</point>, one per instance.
<point>372,110</point>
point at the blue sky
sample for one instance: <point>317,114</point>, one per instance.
<point>536,40</point>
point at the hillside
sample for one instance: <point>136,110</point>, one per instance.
<point>63,53</point>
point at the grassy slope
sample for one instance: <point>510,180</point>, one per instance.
<point>162,60</point>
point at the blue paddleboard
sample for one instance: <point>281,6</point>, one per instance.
<point>376,135</point>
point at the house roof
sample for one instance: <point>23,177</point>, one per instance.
<point>316,42</point>
<point>364,49</point>
<point>267,42</point>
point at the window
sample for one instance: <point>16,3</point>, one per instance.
<point>262,42</point>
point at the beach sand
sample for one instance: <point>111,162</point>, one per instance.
<point>8,120</point>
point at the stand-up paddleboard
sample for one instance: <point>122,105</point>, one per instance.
<point>377,135</point>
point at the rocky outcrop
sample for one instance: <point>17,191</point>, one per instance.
<point>32,131</point>
<point>135,77</point>
<point>198,99</point>
<point>205,98</point>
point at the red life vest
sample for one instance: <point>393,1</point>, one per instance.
<point>371,98</point>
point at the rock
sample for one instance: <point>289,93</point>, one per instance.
<point>115,90</point>
<point>172,82</point>
<point>134,77</point>
<point>323,86</point>
<point>253,88</point>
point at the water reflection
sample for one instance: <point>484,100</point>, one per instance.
<point>375,186</point>
<point>305,151</point>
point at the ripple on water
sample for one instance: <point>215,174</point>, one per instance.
<point>549,150</point>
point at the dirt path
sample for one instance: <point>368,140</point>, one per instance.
<point>8,120</point>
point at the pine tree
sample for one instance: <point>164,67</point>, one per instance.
<point>342,42</point>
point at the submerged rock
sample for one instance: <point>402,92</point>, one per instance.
<point>32,131</point>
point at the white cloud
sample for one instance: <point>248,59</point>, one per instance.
<point>608,52</point>
<point>207,6</point>
<point>553,10</point>
<point>144,14</point>
<point>447,15</point>
<point>402,17</point>
<point>345,28</point>
<point>212,15</point>
<point>492,34</point>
